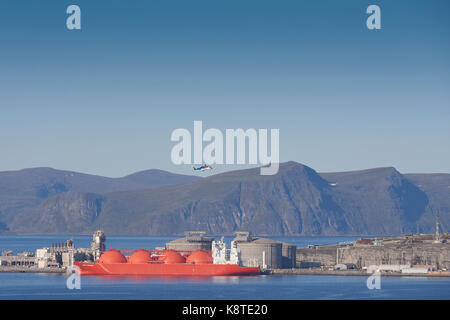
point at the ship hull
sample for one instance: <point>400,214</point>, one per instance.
<point>161,269</point>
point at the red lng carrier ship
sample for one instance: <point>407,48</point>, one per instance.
<point>169,263</point>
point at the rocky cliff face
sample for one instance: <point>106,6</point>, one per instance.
<point>71,211</point>
<point>296,201</point>
<point>379,201</point>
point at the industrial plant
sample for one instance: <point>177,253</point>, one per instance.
<point>408,254</point>
<point>55,258</point>
<point>245,251</point>
<point>415,254</point>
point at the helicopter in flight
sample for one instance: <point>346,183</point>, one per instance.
<point>203,167</point>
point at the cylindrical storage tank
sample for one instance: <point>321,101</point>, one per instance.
<point>140,256</point>
<point>112,256</point>
<point>200,257</point>
<point>171,256</point>
<point>261,252</point>
<point>288,255</point>
<point>183,244</point>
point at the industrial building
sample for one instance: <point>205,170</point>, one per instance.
<point>56,257</point>
<point>386,254</point>
<point>253,252</point>
<point>24,259</point>
<point>413,253</point>
<point>192,241</point>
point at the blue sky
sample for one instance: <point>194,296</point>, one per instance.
<point>105,99</point>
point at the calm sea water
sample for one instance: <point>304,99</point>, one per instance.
<point>51,286</point>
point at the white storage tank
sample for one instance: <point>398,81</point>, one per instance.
<point>288,255</point>
<point>260,252</point>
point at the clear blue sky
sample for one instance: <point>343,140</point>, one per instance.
<point>104,100</point>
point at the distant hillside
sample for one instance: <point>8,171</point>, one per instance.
<point>381,200</point>
<point>296,201</point>
<point>437,188</point>
<point>21,192</point>
<point>291,202</point>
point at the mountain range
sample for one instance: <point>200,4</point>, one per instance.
<point>296,201</point>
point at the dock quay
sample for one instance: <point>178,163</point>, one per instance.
<point>25,269</point>
<point>283,272</point>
